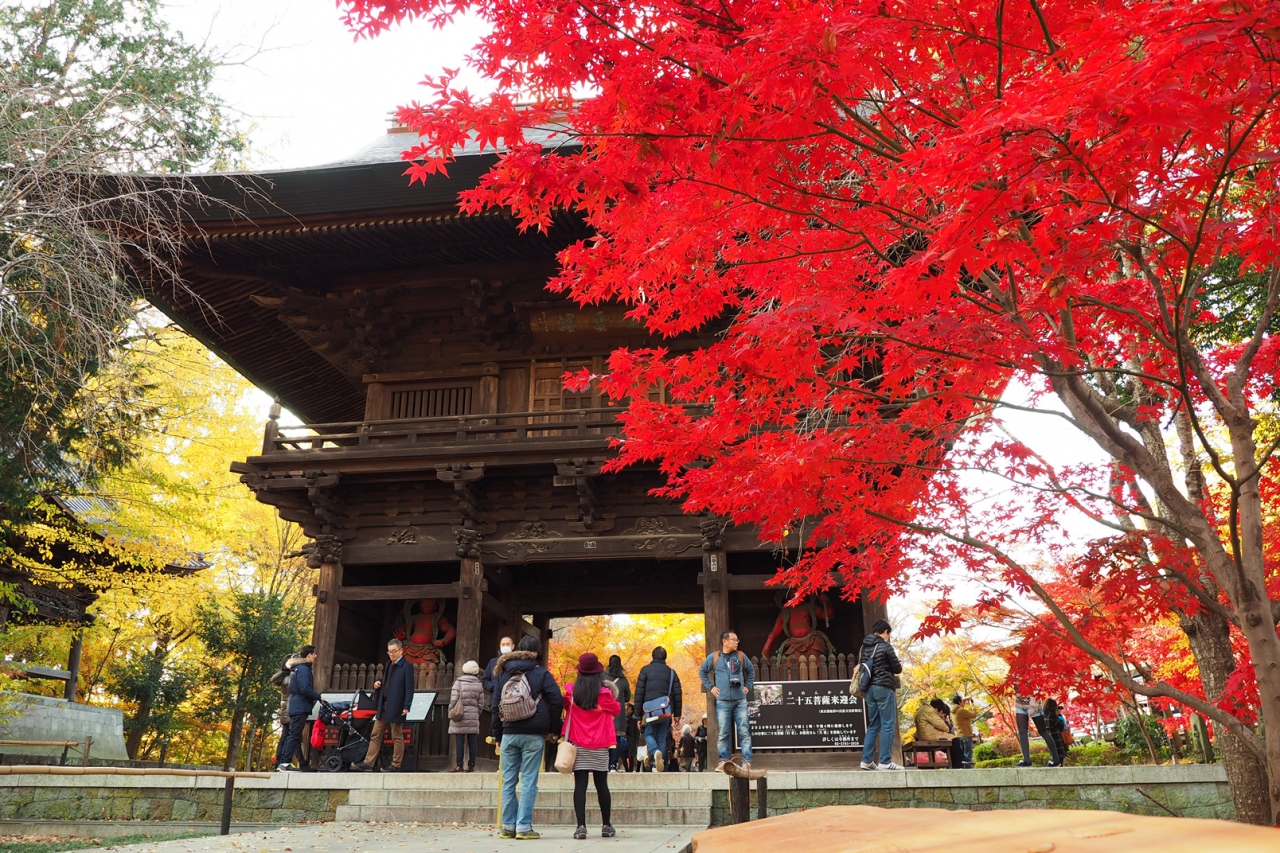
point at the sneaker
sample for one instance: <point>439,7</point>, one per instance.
<point>868,765</point>
<point>506,833</point>
<point>457,769</point>
<point>889,766</point>
<point>284,768</point>
<point>1023,764</point>
<point>362,767</point>
<point>659,765</point>
<point>390,768</point>
<point>527,835</point>
<point>580,834</point>
<point>608,831</point>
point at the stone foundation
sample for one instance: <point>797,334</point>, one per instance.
<point>1185,790</point>
<point>44,718</point>
<point>282,799</point>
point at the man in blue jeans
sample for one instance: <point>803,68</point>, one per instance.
<point>655,681</point>
<point>522,741</point>
<point>881,699</point>
<point>729,676</point>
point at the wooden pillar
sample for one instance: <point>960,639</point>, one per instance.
<point>324,634</point>
<point>873,609</point>
<point>715,603</point>
<point>73,664</point>
<point>542,621</point>
<point>470,611</point>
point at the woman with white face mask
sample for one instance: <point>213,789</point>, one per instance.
<point>506,646</point>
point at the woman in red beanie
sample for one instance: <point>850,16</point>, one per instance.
<point>588,724</point>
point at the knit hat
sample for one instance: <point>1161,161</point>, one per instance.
<point>471,668</point>
<point>589,664</point>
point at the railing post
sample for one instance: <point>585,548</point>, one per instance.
<point>272,429</point>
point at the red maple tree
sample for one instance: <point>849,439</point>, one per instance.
<point>896,208</point>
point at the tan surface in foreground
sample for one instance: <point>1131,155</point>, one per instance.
<point>867,829</point>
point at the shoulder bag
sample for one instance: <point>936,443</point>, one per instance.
<point>566,753</point>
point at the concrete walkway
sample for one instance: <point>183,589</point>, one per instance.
<point>422,838</point>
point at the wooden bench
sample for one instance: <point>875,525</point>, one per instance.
<point>923,753</point>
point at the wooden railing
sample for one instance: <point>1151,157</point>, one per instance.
<point>350,677</point>
<point>514,426</point>
<point>811,668</point>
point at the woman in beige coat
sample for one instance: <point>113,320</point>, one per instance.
<point>468,694</point>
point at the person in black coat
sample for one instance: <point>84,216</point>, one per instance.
<point>656,680</point>
<point>505,646</point>
<point>302,698</point>
<point>522,742</point>
<point>392,696</point>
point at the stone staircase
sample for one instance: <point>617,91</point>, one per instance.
<point>639,799</point>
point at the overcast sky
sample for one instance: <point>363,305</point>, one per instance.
<point>314,94</point>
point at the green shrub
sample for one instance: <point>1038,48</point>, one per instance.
<point>1098,754</point>
<point>985,752</point>
<point>1129,737</point>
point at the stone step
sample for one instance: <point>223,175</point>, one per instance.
<point>621,798</point>
<point>542,815</point>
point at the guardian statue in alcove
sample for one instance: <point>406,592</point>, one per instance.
<point>425,632</point>
<point>796,631</point>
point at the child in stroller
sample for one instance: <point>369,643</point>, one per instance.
<point>344,744</point>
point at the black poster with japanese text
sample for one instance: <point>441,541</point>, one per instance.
<point>805,715</point>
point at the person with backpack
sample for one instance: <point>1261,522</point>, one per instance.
<point>466,698</point>
<point>622,689</point>
<point>590,710</point>
<point>660,699</point>
<point>729,677</point>
<point>527,708</point>
<point>880,698</point>
<point>281,680</point>
<point>302,698</point>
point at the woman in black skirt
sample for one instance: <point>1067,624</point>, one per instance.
<point>590,708</point>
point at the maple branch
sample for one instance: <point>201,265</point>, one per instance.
<point>1000,50</point>
<point>1044,27</point>
<point>1246,734</point>
<point>1240,376</point>
<point>853,114</point>
<point>866,146</point>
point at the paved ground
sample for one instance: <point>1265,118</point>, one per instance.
<point>421,838</point>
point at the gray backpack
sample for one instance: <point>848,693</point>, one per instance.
<point>517,701</point>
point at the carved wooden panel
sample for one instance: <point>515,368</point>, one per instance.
<point>431,402</point>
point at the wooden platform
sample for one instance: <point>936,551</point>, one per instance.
<point>835,829</point>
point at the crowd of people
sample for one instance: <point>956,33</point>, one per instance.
<point>607,725</point>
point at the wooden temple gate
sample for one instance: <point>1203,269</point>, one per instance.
<point>451,486</point>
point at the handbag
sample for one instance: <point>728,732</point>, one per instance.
<point>660,708</point>
<point>566,753</point>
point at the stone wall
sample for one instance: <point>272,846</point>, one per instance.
<point>44,718</point>
<point>280,799</point>
<point>1185,791</point>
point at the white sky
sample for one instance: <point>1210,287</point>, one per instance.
<point>314,94</point>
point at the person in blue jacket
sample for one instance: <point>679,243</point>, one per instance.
<point>302,698</point>
<point>729,676</point>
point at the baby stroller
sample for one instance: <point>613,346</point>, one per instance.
<point>344,744</point>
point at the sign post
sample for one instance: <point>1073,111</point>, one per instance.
<point>806,715</point>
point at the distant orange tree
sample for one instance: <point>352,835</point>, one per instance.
<point>633,638</point>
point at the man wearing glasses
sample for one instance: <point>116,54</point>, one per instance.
<point>729,676</point>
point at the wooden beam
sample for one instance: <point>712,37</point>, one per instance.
<point>608,599</point>
<point>404,592</point>
<point>324,633</point>
<point>715,607</point>
<point>470,610</point>
<point>741,583</point>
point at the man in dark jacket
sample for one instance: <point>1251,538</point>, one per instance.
<point>656,680</point>
<point>521,742</point>
<point>302,698</point>
<point>881,699</point>
<point>392,696</point>
<point>505,646</point>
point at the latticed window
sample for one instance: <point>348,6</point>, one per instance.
<point>431,402</point>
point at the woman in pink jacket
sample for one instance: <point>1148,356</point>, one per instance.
<point>590,707</point>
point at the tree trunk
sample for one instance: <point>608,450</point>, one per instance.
<point>237,726</point>
<point>1210,641</point>
<point>136,729</point>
